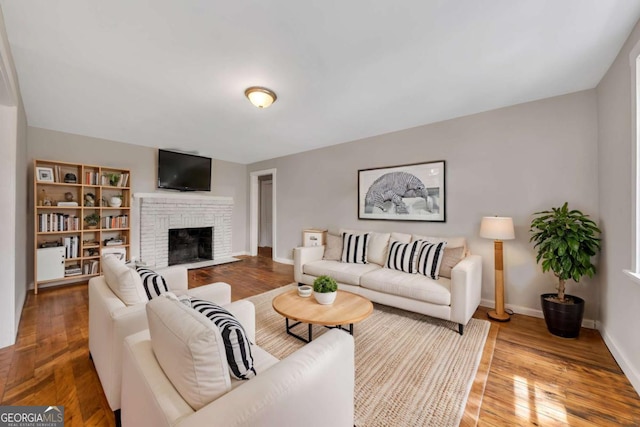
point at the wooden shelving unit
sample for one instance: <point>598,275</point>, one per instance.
<point>56,224</point>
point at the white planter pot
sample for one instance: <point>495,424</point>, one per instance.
<point>115,202</point>
<point>325,298</point>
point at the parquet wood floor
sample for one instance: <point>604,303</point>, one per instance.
<point>533,378</point>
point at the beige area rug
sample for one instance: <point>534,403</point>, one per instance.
<point>411,370</point>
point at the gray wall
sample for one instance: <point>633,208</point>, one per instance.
<point>619,294</point>
<point>228,179</point>
<point>511,162</point>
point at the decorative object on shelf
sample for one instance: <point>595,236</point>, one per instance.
<point>305,291</point>
<point>566,240</point>
<point>261,97</point>
<point>92,220</point>
<point>70,178</point>
<point>414,192</point>
<point>113,178</point>
<point>89,200</point>
<point>44,174</point>
<point>68,196</point>
<point>498,228</point>
<point>44,199</point>
<point>115,201</point>
<point>325,290</point>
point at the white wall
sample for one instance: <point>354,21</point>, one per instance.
<point>13,211</point>
<point>228,179</point>
<point>512,162</point>
<point>619,295</point>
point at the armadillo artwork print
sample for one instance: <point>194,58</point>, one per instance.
<point>408,192</point>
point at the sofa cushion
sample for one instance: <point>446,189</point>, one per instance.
<point>414,286</point>
<point>402,256</point>
<point>402,237</point>
<point>340,271</point>
<point>378,242</point>
<point>190,350</point>
<point>333,248</point>
<point>236,343</point>
<point>354,248</point>
<point>123,281</point>
<point>452,256</point>
<point>430,258</point>
<point>153,283</point>
<point>452,242</point>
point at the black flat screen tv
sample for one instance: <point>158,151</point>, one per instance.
<point>184,172</point>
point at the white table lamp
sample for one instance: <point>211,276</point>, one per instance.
<point>498,228</point>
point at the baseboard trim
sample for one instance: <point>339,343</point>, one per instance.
<point>623,361</point>
<point>241,253</point>
<point>283,260</point>
<point>534,312</point>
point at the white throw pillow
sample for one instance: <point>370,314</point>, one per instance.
<point>190,350</point>
<point>123,281</point>
<point>402,237</point>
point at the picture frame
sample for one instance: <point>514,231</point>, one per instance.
<point>44,174</point>
<point>412,192</point>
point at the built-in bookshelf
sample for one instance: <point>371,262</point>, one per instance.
<point>81,211</point>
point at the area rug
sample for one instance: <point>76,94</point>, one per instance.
<point>411,370</point>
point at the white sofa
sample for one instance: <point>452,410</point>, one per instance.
<point>454,299</point>
<point>313,387</point>
<point>111,320</point>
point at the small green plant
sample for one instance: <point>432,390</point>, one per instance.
<point>92,219</point>
<point>566,240</point>
<point>114,178</point>
<point>324,284</point>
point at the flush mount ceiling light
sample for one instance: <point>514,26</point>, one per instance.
<point>261,97</point>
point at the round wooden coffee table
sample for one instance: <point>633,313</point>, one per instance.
<point>347,309</point>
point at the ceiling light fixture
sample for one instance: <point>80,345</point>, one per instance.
<point>261,97</point>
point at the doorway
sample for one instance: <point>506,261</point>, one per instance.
<point>262,227</point>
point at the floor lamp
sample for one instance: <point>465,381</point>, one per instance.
<point>498,228</point>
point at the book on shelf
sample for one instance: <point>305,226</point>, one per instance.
<point>57,222</point>
<point>67,204</point>
<point>72,270</point>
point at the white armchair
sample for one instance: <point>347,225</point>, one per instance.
<point>111,320</point>
<point>313,387</point>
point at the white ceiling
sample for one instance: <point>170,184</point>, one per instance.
<point>172,74</point>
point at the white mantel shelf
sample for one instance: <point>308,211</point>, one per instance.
<point>200,196</point>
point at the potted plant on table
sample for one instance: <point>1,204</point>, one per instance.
<point>566,240</point>
<point>92,220</point>
<point>325,290</point>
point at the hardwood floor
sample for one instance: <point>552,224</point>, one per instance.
<point>533,377</point>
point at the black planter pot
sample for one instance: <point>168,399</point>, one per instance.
<point>563,320</point>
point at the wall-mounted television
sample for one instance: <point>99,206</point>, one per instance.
<point>183,171</point>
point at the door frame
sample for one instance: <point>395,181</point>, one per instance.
<point>254,210</point>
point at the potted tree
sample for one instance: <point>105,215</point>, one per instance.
<point>566,240</point>
<point>92,220</point>
<point>325,290</point>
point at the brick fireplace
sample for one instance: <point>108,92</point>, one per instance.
<point>160,212</point>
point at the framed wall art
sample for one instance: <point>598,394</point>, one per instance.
<point>414,192</point>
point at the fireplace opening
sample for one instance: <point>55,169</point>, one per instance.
<point>188,245</point>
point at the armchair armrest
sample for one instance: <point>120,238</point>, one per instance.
<point>177,277</point>
<point>218,292</point>
<point>303,255</point>
<point>280,396</point>
<point>466,288</point>
<point>245,312</point>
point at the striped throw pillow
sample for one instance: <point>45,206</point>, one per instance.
<point>153,283</point>
<point>429,258</point>
<point>402,256</point>
<point>354,248</point>
<point>236,343</point>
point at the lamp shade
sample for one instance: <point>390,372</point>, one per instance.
<point>260,97</point>
<point>497,228</point>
